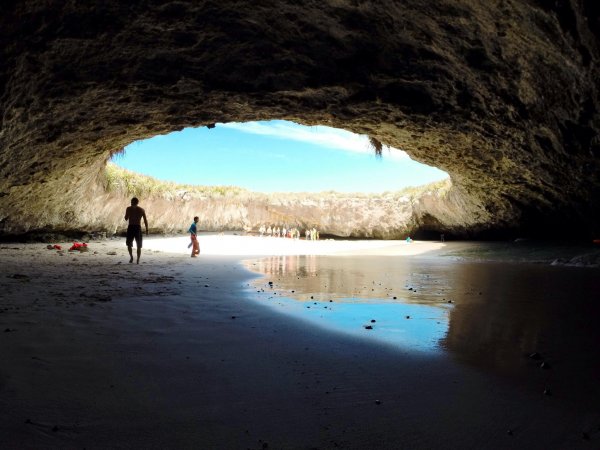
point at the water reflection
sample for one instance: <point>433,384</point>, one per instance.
<point>500,313</point>
<point>403,307</point>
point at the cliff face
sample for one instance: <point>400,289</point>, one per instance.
<point>502,95</point>
<point>347,216</point>
<point>170,208</point>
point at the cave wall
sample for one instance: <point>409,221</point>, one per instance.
<point>501,94</point>
<point>387,216</point>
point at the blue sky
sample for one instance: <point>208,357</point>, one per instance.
<point>275,156</point>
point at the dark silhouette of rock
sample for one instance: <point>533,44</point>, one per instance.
<point>503,98</point>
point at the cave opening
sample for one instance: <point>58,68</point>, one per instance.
<point>276,156</point>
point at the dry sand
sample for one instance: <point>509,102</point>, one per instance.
<point>172,353</point>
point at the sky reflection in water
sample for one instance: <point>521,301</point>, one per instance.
<point>346,294</point>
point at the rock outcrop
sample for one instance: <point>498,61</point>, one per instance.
<point>502,95</point>
<point>171,207</point>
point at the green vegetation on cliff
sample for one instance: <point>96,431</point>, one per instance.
<point>132,184</point>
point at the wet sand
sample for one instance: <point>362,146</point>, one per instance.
<point>185,353</point>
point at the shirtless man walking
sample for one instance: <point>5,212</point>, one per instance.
<point>134,214</point>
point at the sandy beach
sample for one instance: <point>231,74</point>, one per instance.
<point>205,353</point>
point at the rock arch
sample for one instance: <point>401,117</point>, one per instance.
<point>503,95</point>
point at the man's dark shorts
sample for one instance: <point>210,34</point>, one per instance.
<point>134,232</point>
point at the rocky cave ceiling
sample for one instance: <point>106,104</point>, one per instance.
<point>501,94</point>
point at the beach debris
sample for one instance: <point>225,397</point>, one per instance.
<point>270,284</point>
<point>79,246</point>
<point>545,366</point>
<point>395,298</point>
<point>207,285</point>
<point>368,327</point>
<point>535,355</point>
<point>19,276</point>
<point>112,253</point>
<point>373,321</point>
<point>449,301</point>
<point>50,247</point>
<point>312,297</point>
<point>233,317</point>
<point>408,317</point>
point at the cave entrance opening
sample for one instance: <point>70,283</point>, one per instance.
<point>275,156</point>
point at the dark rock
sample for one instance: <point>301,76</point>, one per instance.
<point>368,327</point>
<point>469,102</point>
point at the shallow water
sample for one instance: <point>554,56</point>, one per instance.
<point>501,316</point>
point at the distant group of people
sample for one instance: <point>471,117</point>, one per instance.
<point>292,233</point>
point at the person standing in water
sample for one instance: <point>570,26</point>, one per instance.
<point>134,214</point>
<point>194,237</point>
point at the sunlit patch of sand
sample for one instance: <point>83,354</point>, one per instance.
<point>256,246</point>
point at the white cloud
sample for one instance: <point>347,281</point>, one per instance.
<point>318,135</point>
